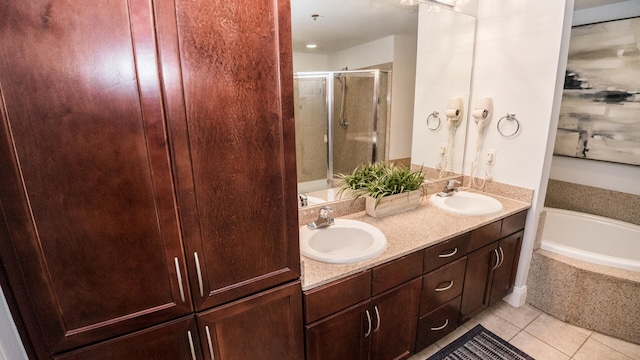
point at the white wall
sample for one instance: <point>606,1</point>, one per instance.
<point>605,175</point>
<point>402,93</point>
<point>372,53</point>
<point>519,58</point>
<point>443,71</point>
<point>309,62</point>
<point>10,345</point>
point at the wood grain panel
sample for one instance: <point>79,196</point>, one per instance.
<point>337,295</point>
<point>237,180</point>
<point>263,326</point>
<point>89,200</point>
<point>168,341</point>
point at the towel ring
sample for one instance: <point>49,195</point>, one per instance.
<point>509,116</point>
<point>435,115</point>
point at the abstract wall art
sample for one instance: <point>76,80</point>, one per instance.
<point>600,112</point>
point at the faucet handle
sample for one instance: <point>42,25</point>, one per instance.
<point>451,183</point>
<point>302,199</point>
<point>325,211</point>
<point>323,219</point>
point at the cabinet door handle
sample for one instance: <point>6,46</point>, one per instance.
<point>377,319</point>
<point>501,256</point>
<point>497,259</point>
<point>179,275</point>
<point>450,254</point>
<point>193,350</point>
<point>446,287</point>
<point>213,357</point>
<point>446,322</point>
<point>369,321</point>
<point>199,272</point>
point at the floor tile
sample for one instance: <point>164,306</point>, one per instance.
<point>629,349</point>
<point>425,353</point>
<point>536,348</point>
<point>452,336</point>
<point>594,350</point>
<point>556,333</point>
<point>519,316</point>
<point>495,324</point>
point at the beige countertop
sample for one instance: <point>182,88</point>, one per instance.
<point>406,233</point>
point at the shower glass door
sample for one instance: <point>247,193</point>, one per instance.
<point>311,114</point>
<point>341,123</point>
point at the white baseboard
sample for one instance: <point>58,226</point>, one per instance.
<point>518,297</point>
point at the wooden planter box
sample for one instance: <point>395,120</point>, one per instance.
<point>393,204</point>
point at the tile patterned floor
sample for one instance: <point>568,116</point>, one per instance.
<point>542,336</point>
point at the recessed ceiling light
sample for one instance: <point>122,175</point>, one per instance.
<point>311,46</point>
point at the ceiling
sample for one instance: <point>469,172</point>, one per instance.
<point>342,24</point>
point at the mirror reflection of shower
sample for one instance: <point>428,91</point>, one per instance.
<point>343,81</point>
<point>341,123</point>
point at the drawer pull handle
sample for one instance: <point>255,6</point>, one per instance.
<point>446,287</point>
<point>453,252</point>
<point>497,259</point>
<point>179,275</point>
<point>501,256</point>
<point>193,350</point>
<point>213,357</point>
<point>378,319</point>
<point>199,273</point>
<point>369,321</point>
<point>446,322</point>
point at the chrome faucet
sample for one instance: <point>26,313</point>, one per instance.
<point>323,219</point>
<point>451,189</point>
<point>302,199</point>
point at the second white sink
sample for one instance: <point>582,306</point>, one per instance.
<point>347,241</point>
<point>467,203</point>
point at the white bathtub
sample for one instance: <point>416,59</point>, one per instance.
<point>592,238</point>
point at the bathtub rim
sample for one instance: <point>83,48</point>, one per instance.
<point>586,256</point>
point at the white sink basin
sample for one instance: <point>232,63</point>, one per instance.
<point>467,203</point>
<point>347,241</point>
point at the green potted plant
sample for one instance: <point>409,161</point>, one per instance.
<point>389,189</point>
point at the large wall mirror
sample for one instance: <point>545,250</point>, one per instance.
<point>365,91</point>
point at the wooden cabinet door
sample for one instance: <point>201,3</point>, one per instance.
<point>344,335</point>
<point>396,321</point>
<point>263,326</point>
<point>475,296</point>
<point>93,248</point>
<point>504,275</point>
<point>227,73</point>
<point>176,340</point>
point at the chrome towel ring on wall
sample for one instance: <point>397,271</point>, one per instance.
<point>436,116</point>
<point>510,117</point>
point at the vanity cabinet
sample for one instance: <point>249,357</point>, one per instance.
<point>445,267</point>
<point>147,158</point>
<point>263,326</point>
<point>228,90</point>
<point>176,340</point>
<point>376,313</point>
<point>494,251</point>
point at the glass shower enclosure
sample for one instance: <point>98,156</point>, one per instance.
<point>342,122</point>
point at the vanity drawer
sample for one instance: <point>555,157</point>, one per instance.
<point>442,285</point>
<point>484,235</point>
<point>333,297</point>
<point>513,223</point>
<point>397,272</point>
<point>445,252</point>
<point>435,325</point>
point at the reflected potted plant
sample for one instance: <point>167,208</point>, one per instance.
<point>389,189</point>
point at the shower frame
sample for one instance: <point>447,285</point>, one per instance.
<point>330,77</point>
